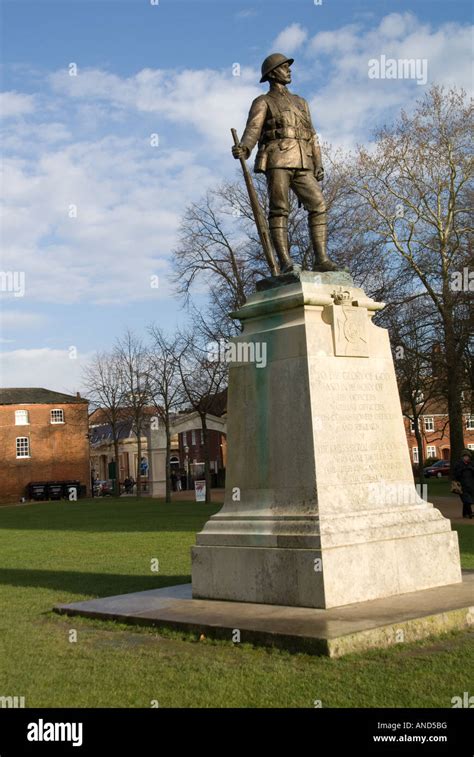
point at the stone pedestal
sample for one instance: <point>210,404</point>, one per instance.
<point>320,508</point>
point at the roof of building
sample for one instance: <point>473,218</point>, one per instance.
<point>103,434</point>
<point>217,404</point>
<point>37,396</point>
<point>100,417</point>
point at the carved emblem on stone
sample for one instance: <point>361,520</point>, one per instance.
<point>350,331</point>
<point>342,296</point>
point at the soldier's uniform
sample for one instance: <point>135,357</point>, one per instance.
<point>289,155</point>
<point>288,149</point>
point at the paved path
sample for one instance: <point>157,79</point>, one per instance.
<point>217,495</point>
<point>451,508</point>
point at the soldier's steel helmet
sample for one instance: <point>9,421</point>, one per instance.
<point>273,61</point>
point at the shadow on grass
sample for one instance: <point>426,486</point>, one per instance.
<point>96,584</point>
<point>108,515</point>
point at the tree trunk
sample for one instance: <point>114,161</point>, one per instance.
<point>454,388</point>
<point>207,465</point>
<point>168,464</point>
<point>456,431</point>
<point>117,466</point>
<point>419,443</point>
<point>139,458</point>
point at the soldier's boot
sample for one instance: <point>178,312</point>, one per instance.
<point>318,232</point>
<point>279,234</point>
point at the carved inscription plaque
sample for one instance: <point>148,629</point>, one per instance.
<point>360,424</point>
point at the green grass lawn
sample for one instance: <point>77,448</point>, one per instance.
<point>439,487</point>
<point>68,551</point>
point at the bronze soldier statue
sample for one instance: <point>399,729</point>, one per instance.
<point>290,156</point>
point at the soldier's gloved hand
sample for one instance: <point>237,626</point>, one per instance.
<point>240,151</point>
<point>319,173</point>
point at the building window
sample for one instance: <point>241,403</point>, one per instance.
<point>21,418</point>
<point>431,451</point>
<point>415,455</point>
<point>202,436</point>
<point>470,446</point>
<point>470,423</point>
<point>22,446</point>
<point>412,427</point>
<point>193,438</point>
<point>57,416</point>
<point>429,423</point>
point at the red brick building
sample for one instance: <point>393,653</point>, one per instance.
<point>191,453</point>
<point>190,458</point>
<point>434,427</point>
<point>43,437</point>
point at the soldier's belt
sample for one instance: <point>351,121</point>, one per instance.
<point>289,132</point>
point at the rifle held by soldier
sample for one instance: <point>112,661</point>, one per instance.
<point>260,221</point>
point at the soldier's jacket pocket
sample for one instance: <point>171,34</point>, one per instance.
<point>285,144</point>
<point>261,161</point>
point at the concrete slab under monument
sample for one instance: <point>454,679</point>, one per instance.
<point>320,509</point>
<point>336,632</point>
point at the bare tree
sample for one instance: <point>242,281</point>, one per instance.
<point>133,358</point>
<point>219,246</point>
<point>469,373</point>
<point>210,251</point>
<point>104,382</point>
<point>414,183</point>
<point>165,388</point>
<point>413,332</point>
<point>203,377</point>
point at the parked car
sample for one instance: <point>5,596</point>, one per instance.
<point>438,470</point>
<point>103,488</point>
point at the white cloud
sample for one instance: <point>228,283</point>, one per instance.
<point>341,40</point>
<point>48,368</point>
<point>92,210</point>
<point>15,323</point>
<point>16,320</point>
<point>128,197</point>
<point>290,39</point>
<point>246,13</point>
<point>88,146</point>
<point>25,137</point>
<point>396,25</point>
<point>350,104</point>
<point>13,104</point>
<point>208,101</point>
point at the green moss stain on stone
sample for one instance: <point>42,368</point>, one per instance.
<point>263,388</point>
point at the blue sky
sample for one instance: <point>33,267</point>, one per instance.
<point>83,141</point>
